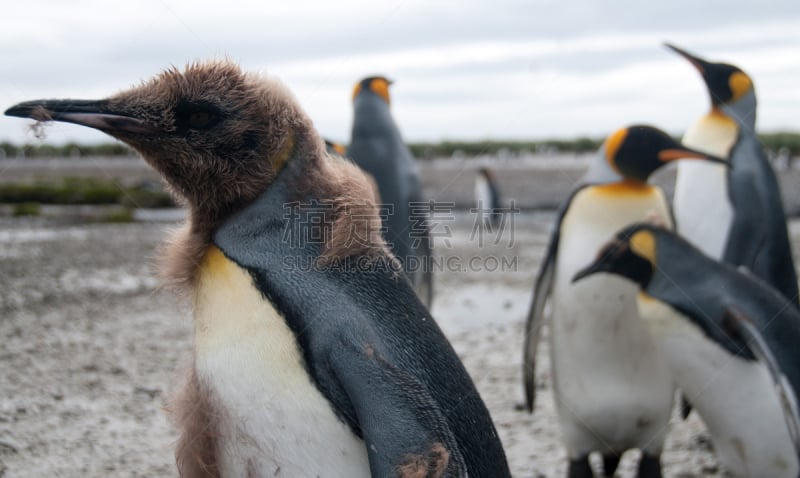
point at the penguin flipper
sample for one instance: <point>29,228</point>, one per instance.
<point>533,329</point>
<point>758,238</point>
<point>533,326</point>
<point>404,430</point>
<point>542,291</point>
<point>746,237</point>
<point>741,325</point>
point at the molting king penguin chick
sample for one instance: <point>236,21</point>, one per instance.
<point>612,392</point>
<point>377,147</point>
<point>712,321</point>
<point>312,354</point>
<point>736,214</point>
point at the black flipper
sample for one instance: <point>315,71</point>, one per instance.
<point>758,238</point>
<point>541,293</point>
<point>403,429</point>
<point>739,324</point>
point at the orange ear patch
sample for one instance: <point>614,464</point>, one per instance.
<point>740,84</point>
<point>643,243</point>
<point>380,86</point>
<point>613,143</point>
<point>356,90</point>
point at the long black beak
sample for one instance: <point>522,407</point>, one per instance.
<point>679,151</point>
<point>698,62</point>
<point>599,265</point>
<point>91,113</point>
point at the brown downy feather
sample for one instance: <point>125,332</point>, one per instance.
<point>191,411</point>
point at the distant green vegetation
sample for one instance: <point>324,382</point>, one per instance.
<point>82,191</point>
<point>777,141</point>
<point>475,148</point>
<point>774,141</point>
<point>64,150</point>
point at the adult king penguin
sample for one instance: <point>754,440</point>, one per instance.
<point>734,214</point>
<point>711,321</point>
<point>487,199</point>
<point>377,147</point>
<point>612,393</point>
<point>311,357</point>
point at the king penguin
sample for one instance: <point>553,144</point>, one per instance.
<point>712,321</point>
<point>612,393</point>
<point>741,219</point>
<point>312,355</point>
<point>377,147</point>
<point>487,199</point>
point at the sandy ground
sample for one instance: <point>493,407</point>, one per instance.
<point>89,345</point>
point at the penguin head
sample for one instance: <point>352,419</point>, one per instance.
<point>635,152</point>
<point>373,85</point>
<point>216,134</point>
<point>632,253</point>
<point>727,84</point>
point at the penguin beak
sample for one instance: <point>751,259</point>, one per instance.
<point>95,114</point>
<point>697,62</point>
<point>599,265</point>
<point>682,152</point>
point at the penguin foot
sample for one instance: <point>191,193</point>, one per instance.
<point>580,468</point>
<point>610,463</point>
<point>649,466</point>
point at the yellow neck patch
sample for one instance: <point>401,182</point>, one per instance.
<point>215,263</point>
<point>613,143</point>
<point>626,187</point>
<point>740,84</point>
<point>643,243</point>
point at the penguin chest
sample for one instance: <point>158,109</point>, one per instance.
<point>703,210</point>
<point>735,397</point>
<point>606,376</point>
<point>271,417</point>
<point>483,194</point>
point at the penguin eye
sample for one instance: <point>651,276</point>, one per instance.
<point>195,116</point>
<point>199,119</point>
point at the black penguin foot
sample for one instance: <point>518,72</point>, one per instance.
<point>649,466</point>
<point>610,463</point>
<point>580,468</point>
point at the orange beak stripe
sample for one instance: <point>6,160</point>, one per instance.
<point>673,154</point>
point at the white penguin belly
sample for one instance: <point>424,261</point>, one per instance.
<point>274,420</point>
<point>483,195</point>
<point>611,388</point>
<point>703,211</point>
<point>734,397</point>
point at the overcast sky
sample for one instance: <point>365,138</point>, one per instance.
<point>498,69</point>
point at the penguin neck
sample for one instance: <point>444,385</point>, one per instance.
<point>600,171</point>
<point>319,206</point>
<point>742,111</point>
<point>371,114</point>
<point>184,251</point>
